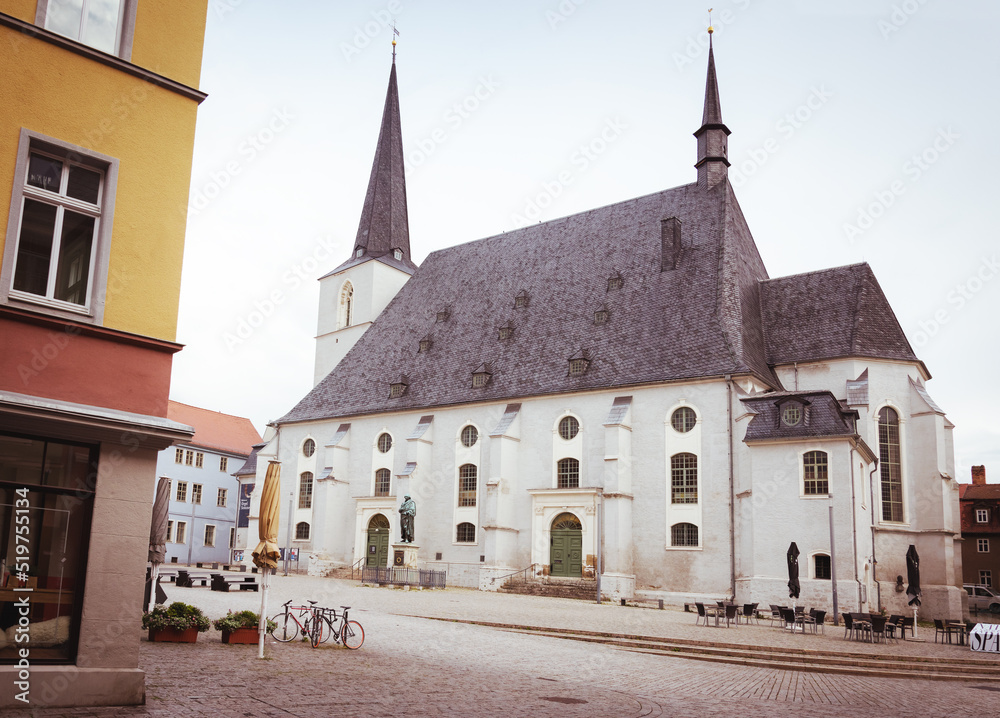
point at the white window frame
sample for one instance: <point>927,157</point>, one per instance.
<point>982,516</point>
<point>205,537</point>
<point>812,565</point>
<point>308,526</point>
<point>802,474</point>
<point>196,491</point>
<point>181,492</point>
<point>221,498</point>
<point>33,142</point>
<point>223,463</point>
<point>199,460</point>
<point>181,532</point>
<point>124,35</point>
<point>170,531</point>
<point>983,545</point>
<point>232,537</point>
<point>345,305</point>
<point>179,456</point>
<point>986,578</point>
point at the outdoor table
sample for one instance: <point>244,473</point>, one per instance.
<point>861,627</point>
<point>714,611</point>
<point>958,629</point>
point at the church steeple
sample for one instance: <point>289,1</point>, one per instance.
<point>383,232</point>
<point>713,142</point>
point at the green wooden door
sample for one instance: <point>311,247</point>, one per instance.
<point>566,547</point>
<point>378,541</point>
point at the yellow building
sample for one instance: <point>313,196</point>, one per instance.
<point>99,104</point>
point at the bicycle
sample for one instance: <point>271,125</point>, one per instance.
<point>287,624</point>
<point>343,630</point>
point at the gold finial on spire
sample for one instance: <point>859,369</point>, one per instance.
<point>710,30</point>
<point>395,33</point>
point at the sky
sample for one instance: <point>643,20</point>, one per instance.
<point>862,131</point>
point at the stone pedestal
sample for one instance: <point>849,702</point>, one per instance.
<point>404,555</point>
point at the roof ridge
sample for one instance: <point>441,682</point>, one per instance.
<point>816,271</point>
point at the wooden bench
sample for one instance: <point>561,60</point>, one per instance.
<point>221,582</point>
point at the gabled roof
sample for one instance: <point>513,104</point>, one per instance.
<point>701,319</point>
<point>249,467</point>
<point>832,313</point>
<point>979,492</point>
<point>215,430</point>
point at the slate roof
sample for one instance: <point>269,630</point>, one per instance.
<point>694,321</point>
<point>249,467</point>
<point>822,415</point>
<point>215,430</point>
<point>830,313</point>
<point>384,225</point>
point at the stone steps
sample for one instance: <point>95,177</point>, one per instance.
<point>882,665</point>
<point>579,589</point>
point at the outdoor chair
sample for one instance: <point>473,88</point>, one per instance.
<point>750,612</point>
<point>893,627</point>
<point>878,628</point>
<point>862,625</point>
<point>819,619</point>
<point>848,626</point>
<point>906,624</point>
<point>776,615</point>
<point>940,630</point>
<point>701,614</point>
<point>731,616</point>
<point>790,620</point>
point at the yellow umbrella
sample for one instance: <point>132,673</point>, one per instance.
<point>265,556</point>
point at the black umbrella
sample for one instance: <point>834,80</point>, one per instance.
<point>793,570</point>
<point>913,575</point>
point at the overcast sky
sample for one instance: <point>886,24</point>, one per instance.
<point>862,131</point>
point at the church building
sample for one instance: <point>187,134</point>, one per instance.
<point>622,392</point>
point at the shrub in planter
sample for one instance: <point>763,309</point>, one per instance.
<point>179,622</point>
<point>240,627</point>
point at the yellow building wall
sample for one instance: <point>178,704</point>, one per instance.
<point>169,37</point>
<point>150,130</point>
<point>21,9</point>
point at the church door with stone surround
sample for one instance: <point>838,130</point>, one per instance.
<point>566,547</point>
<point>378,541</point>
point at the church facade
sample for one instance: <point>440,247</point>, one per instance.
<point>622,392</point>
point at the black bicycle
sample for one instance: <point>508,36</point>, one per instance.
<point>327,622</point>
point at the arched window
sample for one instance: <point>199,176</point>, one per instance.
<point>308,448</point>
<point>821,566</point>
<point>684,535</point>
<point>467,484</point>
<point>684,479</point>
<point>383,479</point>
<point>306,490</point>
<point>465,533</point>
<point>889,465</point>
<point>568,474</point>
<point>345,310</point>
<point>301,531</point>
<point>814,474</point>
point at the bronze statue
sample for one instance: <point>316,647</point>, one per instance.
<point>406,513</point>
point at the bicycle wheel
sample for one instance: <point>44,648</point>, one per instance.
<point>286,629</point>
<point>353,635</point>
<point>316,632</point>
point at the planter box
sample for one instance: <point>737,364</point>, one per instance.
<point>240,635</point>
<point>170,635</point>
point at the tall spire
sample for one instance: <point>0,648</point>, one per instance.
<point>383,232</point>
<point>713,142</point>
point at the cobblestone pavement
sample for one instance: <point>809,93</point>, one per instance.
<point>420,667</point>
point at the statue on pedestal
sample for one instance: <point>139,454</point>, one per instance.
<point>406,513</point>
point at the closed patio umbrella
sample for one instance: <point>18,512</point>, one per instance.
<point>793,570</point>
<point>265,556</point>
<point>158,535</point>
<point>913,578</point>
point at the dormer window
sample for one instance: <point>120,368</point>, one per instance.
<point>443,315</point>
<point>791,415</point>
<point>481,376</point>
<point>398,388</point>
<point>359,252</point>
<point>578,367</point>
<point>521,300</point>
<point>615,282</point>
<point>601,316</point>
<point>397,253</point>
<point>425,345</point>
<point>506,331</point>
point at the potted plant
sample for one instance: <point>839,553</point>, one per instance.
<point>178,622</point>
<point>240,627</point>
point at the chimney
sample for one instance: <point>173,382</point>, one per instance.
<point>978,475</point>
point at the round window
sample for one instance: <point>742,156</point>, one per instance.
<point>683,419</point>
<point>569,427</point>
<point>470,435</point>
<point>792,415</point>
<point>384,443</point>
<point>309,448</point>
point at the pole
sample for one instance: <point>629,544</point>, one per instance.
<point>265,585</point>
<point>833,567</point>
<point>288,534</point>
<point>600,528</point>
